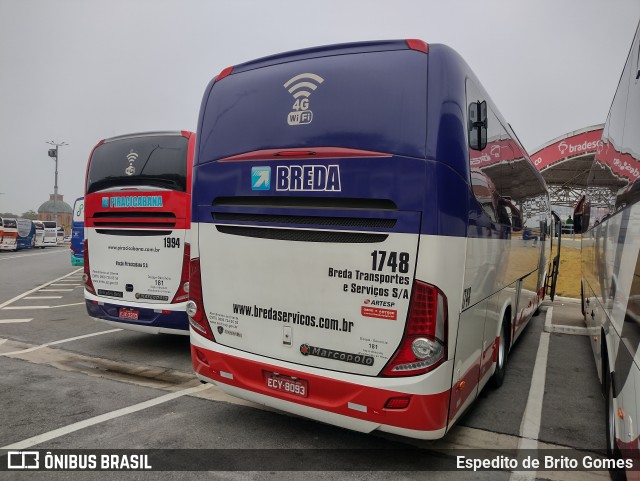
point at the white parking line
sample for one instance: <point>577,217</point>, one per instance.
<point>530,426</point>
<point>53,343</point>
<point>56,290</point>
<point>56,433</point>
<point>29,255</point>
<point>24,294</point>
<point>42,297</point>
<point>19,308</point>
<point>13,321</point>
<point>66,284</point>
<point>69,305</point>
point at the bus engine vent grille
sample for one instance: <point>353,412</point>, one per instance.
<point>306,202</point>
<point>303,235</point>
<point>135,224</point>
<point>133,232</point>
<point>306,220</point>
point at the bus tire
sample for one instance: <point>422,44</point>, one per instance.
<point>582,307</point>
<point>503,353</point>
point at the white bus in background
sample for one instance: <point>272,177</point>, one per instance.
<point>9,234</point>
<point>60,235</point>
<point>38,240</point>
<point>50,233</point>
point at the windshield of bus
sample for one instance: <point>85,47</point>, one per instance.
<point>158,160</point>
<point>352,101</point>
<point>49,224</point>
<point>9,223</point>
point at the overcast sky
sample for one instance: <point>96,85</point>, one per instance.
<point>82,70</point>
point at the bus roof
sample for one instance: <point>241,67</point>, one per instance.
<point>328,50</point>
<point>395,97</point>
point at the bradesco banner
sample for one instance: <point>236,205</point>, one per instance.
<point>334,305</point>
<point>587,142</point>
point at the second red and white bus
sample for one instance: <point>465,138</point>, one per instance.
<point>137,217</point>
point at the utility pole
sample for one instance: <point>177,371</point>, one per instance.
<point>54,154</point>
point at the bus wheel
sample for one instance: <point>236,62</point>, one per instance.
<point>503,351</point>
<point>582,307</point>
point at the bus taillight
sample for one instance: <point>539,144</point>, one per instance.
<point>424,344</point>
<point>88,284</point>
<point>183,291</point>
<point>195,306</point>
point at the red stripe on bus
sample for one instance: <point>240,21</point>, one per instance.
<point>306,153</point>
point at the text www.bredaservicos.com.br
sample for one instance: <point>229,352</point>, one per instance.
<point>332,324</point>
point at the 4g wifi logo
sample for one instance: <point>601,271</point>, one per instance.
<point>301,86</point>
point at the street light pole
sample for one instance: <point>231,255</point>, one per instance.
<point>54,153</point>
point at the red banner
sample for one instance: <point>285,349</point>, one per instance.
<point>580,144</point>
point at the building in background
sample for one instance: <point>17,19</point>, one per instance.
<point>48,210</point>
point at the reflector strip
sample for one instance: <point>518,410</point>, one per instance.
<point>357,407</point>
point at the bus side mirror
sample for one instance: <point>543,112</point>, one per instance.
<point>478,125</point>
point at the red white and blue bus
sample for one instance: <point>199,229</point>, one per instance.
<point>611,263</point>
<point>26,234</point>
<point>359,253</point>
<point>137,215</point>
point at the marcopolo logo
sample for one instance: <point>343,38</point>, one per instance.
<point>260,178</point>
<point>312,178</point>
<point>307,350</point>
<point>133,201</point>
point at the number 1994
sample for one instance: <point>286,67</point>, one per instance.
<point>171,242</point>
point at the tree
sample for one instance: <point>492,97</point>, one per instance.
<point>7,214</point>
<point>30,214</point>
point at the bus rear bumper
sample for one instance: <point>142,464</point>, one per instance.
<point>77,260</point>
<point>165,319</point>
<point>352,406</point>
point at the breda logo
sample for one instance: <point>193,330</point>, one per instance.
<point>301,87</point>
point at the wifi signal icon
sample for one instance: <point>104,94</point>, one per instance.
<point>132,156</point>
<point>301,83</point>
<point>301,87</point>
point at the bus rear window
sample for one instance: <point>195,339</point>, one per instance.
<point>159,161</point>
<point>369,101</point>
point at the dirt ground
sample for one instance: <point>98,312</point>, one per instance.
<point>569,274</point>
